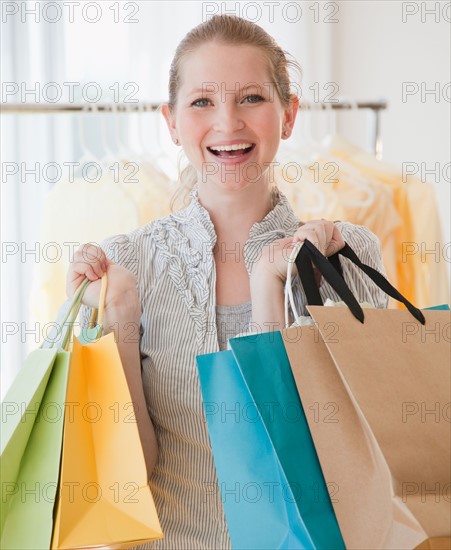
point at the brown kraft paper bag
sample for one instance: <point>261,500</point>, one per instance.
<point>377,399</point>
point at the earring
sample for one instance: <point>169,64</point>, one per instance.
<point>285,133</point>
<point>176,141</point>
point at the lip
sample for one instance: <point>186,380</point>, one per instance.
<point>236,160</point>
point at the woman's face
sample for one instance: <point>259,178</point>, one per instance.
<point>228,116</point>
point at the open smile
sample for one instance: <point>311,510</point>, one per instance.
<point>237,151</point>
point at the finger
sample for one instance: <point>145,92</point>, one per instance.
<point>315,234</point>
<point>337,242</point>
<point>103,264</point>
<point>91,254</point>
<point>325,230</point>
<point>91,274</point>
<point>94,255</point>
<point>329,231</point>
<point>313,224</point>
<point>98,269</point>
<point>85,255</point>
<point>321,231</point>
<point>337,236</point>
<point>86,270</point>
<point>92,251</point>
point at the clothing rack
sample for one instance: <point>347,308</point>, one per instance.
<point>36,108</point>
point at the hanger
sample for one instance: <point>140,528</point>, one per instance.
<point>109,158</point>
<point>156,158</point>
<point>355,178</point>
<point>160,158</point>
<point>291,153</point>
<point>87,155</point>
<point>142,155</point>
<point>122,153</point>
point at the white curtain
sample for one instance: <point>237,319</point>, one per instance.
<point>27,145</point>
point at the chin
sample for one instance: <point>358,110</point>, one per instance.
<point>230,184</point>
<point>239,175</point>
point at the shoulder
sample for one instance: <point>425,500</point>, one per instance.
<point>125,248</point>
<point>129,249</point>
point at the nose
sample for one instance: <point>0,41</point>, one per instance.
<point>228,119</point>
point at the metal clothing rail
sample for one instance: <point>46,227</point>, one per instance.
<point>17,108</point>
<point>92,108</point>
<point>375,106</point>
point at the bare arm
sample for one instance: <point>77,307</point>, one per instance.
<point>267,295</point>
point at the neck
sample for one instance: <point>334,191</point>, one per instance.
<point>234,212</point>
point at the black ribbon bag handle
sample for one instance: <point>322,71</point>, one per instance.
<point>331,270</point>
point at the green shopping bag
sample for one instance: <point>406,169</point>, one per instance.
<point>32,415</point>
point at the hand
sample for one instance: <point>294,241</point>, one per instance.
<point>324,234</point>
<point>90,261</point>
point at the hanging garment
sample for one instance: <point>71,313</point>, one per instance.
<point>328,187</point>
<point>427,251</point>
<point>371,204</point>
<point>421,278</point>
<point>309,199</point>
<point>79,212</point>
<point>74,213</point>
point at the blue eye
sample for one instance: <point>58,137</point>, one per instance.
<point>255,98</point>
<point>197,102</point>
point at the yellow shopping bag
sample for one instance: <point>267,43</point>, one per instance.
<point>104,499</point>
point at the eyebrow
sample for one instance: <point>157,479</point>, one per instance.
<point>203,89</point>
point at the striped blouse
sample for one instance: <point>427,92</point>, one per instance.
<point>172,259</point>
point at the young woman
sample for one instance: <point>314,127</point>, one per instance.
<point>206,272</point>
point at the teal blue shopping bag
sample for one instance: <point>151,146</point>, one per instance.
<point>266,370</point>
<point>269,501</point>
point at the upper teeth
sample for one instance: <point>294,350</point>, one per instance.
<point>231,147</point>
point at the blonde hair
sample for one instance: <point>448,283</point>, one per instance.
<point>227,29</point>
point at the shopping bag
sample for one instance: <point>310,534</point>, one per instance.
<point>104,499</point>
<point>370,389</point>
<point>259,502</point>
<point>31,436</point>
<point>265,368</point>
<point>398,377</point>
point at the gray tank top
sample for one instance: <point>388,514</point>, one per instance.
<point>231,320</point>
